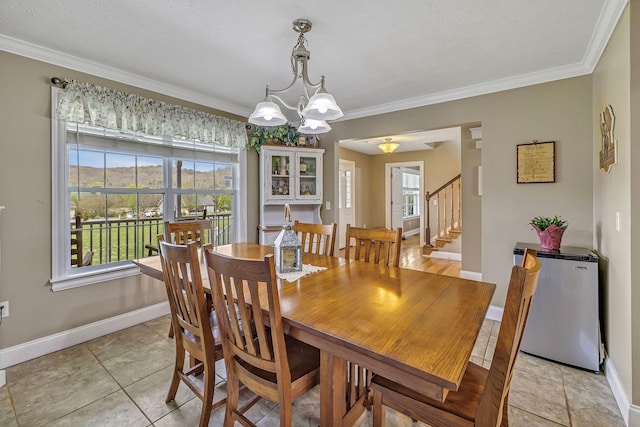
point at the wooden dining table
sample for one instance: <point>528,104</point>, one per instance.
<point>413,327</point>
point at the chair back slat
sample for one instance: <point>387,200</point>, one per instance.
<point>253,286</point>
<point>375,245</point>
<point>183,282</point>
<point>522,287</point>
<point>316,238</point>
<point>182,232</point>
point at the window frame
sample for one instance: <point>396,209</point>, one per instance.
<point>61,276</point>
<point>414,192</point>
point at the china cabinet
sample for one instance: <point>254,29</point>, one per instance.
<point>289,175</point>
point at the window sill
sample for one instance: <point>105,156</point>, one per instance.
<point>93,277</point>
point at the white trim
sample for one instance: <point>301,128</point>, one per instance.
<point>411,232</point>
<point>471,275</point>
<point>445,255</point>
<point>607,21</point>
<point>3,378</point>
<point>55,57</point>
<point>495,313</point>
<point>45,345</point>
<point>93,277</point>
<point>634,416</point>
<point>515,82</point>
<point>630,413</point>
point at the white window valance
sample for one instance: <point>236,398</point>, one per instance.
<point>102,107</point>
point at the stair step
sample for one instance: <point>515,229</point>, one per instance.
<point>442,242</point>
<point>456,231</point>
<point>426,250</point>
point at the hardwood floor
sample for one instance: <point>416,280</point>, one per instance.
<point>411,257</point>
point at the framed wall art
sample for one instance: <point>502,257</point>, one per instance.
<point>609,147</point>
<point>536,162</point>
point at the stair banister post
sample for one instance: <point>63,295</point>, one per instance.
<point>427,231</point>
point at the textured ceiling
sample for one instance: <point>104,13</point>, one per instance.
<point>377,55</point>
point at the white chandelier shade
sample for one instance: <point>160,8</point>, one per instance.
<point>313,110</point>
<point>312,127</point>
<point>322,106</point>
<point>267,113</point>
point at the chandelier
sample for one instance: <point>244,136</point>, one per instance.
<point>387,146</point>
<point>314,109</point>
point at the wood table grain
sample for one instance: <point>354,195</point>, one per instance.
<point>413,327</point>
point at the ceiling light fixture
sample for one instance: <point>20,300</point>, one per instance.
<point>314,110</point>
<point>387,146</point>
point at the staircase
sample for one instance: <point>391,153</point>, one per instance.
<point>443,209</point>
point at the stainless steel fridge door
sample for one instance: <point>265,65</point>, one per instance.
<point>563,322</point>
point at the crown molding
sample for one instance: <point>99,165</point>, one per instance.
<point>607,21</point>
<point>515,82</point>
<point>58,58</point>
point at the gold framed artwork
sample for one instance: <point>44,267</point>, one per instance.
<point>536,162</point>
<point>609,147</point>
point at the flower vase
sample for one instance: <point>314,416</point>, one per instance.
<point>550,237</point>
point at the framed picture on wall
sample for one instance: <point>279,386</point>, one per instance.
<point>536,162</point>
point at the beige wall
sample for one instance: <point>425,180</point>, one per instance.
<point>612,193</point>
<point>25,224</point>
<point>558,111</point>
<point>472,203</point>
<point>634,125</point>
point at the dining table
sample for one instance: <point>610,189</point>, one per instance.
<point>413,327</point>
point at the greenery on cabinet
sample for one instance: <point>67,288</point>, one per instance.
<point>281,135</point>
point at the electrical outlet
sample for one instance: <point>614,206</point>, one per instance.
<point>4,307</point>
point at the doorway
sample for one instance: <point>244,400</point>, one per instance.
<point>397,202</point>
<point>346,199</point>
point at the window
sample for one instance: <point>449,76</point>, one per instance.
<point>112,193</point>
<point>410,194</point>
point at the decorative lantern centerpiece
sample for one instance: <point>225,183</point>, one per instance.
<point>288,250</point>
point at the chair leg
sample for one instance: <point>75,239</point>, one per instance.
<point>233,390</point>
<point>171,334</point>
<point>175,379</point>
<point>505,412</point>
<point>207,397</point>
<point>378,413</point>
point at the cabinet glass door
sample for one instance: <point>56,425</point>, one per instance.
<point>309,169</point>
<point>281,173</point>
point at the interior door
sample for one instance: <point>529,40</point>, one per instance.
<point>346,199</point>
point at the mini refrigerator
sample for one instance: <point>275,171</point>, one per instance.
<point>563,323</point>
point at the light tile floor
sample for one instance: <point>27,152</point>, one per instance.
<point>121,380</point>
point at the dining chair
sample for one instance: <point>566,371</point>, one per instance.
<point>195,326</point>
<point>373,245</point>
<point>316,238</point>
<point>377,245</point>
<point>182,232</point>
<point>273,365</point>
<point>482,398</point>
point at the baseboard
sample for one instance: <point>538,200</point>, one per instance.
<point>494,313</point>
<point>45,345</point>
<point>630,413</point>
<point>445,255</point>
<point>471,275</point>
<point>3,378</point>
<point>411,232</point>
<point>634,416</point>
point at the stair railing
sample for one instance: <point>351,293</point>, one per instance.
<point>452,210</point>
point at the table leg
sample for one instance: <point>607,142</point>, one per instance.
<point>332,389</point>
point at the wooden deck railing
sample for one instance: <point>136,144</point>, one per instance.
<point>447,211</point>
<point>114,240</point>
